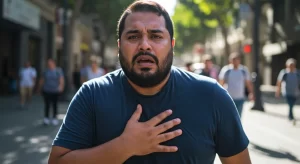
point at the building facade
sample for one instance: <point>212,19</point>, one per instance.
<point>284,37</point>
<point>27,30</point>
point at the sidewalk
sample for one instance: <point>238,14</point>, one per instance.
<point>24,138</point>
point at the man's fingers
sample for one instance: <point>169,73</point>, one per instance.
<point>166,126</point>
<point>168,136</point>
<point>157,119</point>
<point>161,148</point>
<point>137,114</point>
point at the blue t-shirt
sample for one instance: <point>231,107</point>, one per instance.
<point>52,80</point>
<point>209,120</point>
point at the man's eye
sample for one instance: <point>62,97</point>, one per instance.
<point>132,37</point>
<point>156,37</point>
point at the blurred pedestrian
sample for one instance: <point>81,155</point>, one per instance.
<point>288,83</point>
<point>123,117</point>
<point>52,85</point>
<point>234,77</point>
<point>209,70</point>
<point>189,66</point>
<point>27,79</point>
<point>94,71</point>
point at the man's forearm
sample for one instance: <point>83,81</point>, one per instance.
<point>249,87</point>
<point>113,152</point>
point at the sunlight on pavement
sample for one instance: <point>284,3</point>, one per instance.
<point>19,139</point>
<point>9,157</point>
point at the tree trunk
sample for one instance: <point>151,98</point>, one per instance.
<point>224,31</point>
<point>102,53</point>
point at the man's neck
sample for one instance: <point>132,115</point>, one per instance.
<point>235,66</point>
<point>149,91</point>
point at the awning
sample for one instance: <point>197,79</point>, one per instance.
<point>274,48</point>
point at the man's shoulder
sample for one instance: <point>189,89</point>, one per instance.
<point>110,79</point>
<point>185,78</point>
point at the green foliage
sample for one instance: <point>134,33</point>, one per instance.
<point>108,11</point>
<point>195,20</point>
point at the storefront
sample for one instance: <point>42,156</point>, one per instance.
<point>26,35</point>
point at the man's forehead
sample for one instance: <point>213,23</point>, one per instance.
<point>141,20</point>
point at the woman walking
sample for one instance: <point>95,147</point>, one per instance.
<point>52,84</point>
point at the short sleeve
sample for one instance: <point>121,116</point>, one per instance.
<point>222,73</point>
<point>33,72</point>
<point>60,72</point>
<point>77,129</point>
<point>230,137</point>
<point>247,73</point>
<point>280,75</point>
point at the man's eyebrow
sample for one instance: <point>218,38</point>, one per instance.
<point>132,32</point>
<point>155,31</point>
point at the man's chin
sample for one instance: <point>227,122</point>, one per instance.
<point>145,70</point>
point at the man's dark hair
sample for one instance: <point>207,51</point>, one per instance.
<point>145,6</point>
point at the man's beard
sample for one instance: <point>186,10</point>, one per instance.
<point>145,78</point>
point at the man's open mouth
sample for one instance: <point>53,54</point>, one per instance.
<point>145,59</point>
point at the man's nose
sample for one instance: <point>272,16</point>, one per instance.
<point>144,44</point>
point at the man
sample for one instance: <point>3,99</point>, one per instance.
<point>288,83</point>
<point>27,82</point>
<point>209,70</point>
<point>93,71</point>
<point>149,111</point>
<point>234,77</point>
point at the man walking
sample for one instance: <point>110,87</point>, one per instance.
<point>288,83</point>
<point>27,81</point>
<point>149,111</point>
<point>234,77</point>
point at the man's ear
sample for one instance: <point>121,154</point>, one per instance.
<point>173,42</point>
<point>118,43</point>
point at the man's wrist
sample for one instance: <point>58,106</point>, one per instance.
<point>125,145</point>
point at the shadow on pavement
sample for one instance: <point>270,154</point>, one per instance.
<point>274,153</point>
<point>24,138</point>
<point>272,100</point>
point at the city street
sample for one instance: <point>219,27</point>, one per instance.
<point>24,140</point>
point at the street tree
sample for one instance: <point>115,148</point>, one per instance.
<point>210,14</point>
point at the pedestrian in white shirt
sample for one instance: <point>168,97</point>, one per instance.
<point>94,70</point>
<point>27,81</point>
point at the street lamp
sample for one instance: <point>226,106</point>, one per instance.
<point>258,104</point>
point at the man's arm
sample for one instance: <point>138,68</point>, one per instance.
<point>231,140</point>
<point>222,82</point>
<point>243,158</point>
<point>40,85</point>
<point>61,83</point>
<point>279,82</point>
<point>278,88</point>
<point>113,152</point>
<point>249,86</point>
<point>221,76</point>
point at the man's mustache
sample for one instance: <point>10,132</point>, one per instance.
<point>144,53</point>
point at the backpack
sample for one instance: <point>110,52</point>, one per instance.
<point>226,75</point>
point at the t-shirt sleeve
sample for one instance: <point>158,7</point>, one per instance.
<point>60,72</point>
<point>230,137</point>
<point>222,73</point>
<point>33,73</point>
<point>77,129</point>
<point>247,73</point>
<point>280,76</point>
